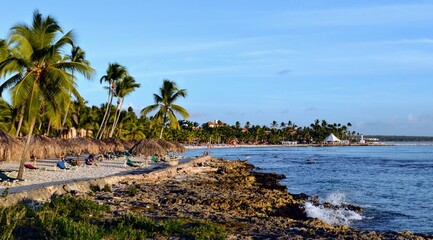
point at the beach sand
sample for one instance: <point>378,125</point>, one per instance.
<point>49,174</point>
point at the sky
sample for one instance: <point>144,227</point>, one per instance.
<point>369,63</point>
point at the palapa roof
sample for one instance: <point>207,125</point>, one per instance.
<point>102,146</point>
<point>42,147</point>
<point>147,147</point>
<point>83,146</point>
<point>114,145</point>
<point>167,146</point>
<point>180,148</point>
<point>128,144</point>
<point>10,147</point>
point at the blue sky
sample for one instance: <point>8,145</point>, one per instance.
<point>365,62</point>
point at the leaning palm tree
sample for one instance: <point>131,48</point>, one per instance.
<point>77,56</point>
<point>165,116</point>
<point>115,72</point>
<point>126,86</point>
<point>37,72</point>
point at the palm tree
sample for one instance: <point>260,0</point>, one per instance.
<point>168,94</point>
<point>37,71</point>
<point>126,86</point>
<point>77,56</point>
<point>115,72</point>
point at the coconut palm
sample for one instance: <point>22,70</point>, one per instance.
<point>125,86</point>
<point>77,56</point>
<point>115,72</point>
<point>37,72</point>
<point>165,116</point>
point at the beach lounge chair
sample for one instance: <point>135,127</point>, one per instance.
<point>29,166</point>
<point>126,153</point>
<point>61,165</point>
<point>131,163</point>
<point>6,178</point>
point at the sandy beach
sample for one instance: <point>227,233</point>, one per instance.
<point>49,174</point>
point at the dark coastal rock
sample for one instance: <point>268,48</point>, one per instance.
<point>253,205</point>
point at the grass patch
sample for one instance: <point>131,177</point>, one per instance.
<point>69,218</point>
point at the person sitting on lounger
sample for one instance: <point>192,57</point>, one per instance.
<point>61,165</point>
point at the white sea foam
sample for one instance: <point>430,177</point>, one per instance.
<point>338,216</point>
<point>335,199</point>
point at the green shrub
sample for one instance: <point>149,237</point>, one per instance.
<point>107,188</point>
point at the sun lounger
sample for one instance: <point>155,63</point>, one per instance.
<point>6,178</point>
<point>131,163</point>
<point>29,166</point>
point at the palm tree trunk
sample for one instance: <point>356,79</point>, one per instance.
<point>65,117</point>
<point>26,146</point>
<point>20,123</point>
<point>116,117</point>
<point>67,107</point>
<point>105,115</point>
<point>49,128</point>
<point>163,124</point>
<point>104,125</point>
<point>113,126</point>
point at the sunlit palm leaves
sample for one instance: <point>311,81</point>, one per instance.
<point>164,103</point>
<point>38,73</point>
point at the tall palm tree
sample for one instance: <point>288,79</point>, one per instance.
<point>124,87</point>
<point>168,94</point>
<point>115,72</point>
<point>77,56</point>
<point>37,72</point>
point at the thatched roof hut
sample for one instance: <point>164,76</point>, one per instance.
<point>147,148</point>
<point>180,148</point>
<point>114,145</point>
<point>10,147</point>
<point>42,147</point>
<point>167,146</point>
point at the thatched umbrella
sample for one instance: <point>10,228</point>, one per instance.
<point>42,147</point>
<point>167,146</point>
<point>84,145</point>
<point>10,147</point>
<point>180,148</point>
<point>114,144</point>
<point>128,144</point>
<point>147,148</point>
<point>101,144</point>
<point>66,146</point>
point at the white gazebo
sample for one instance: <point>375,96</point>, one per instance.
<point>331,138</point>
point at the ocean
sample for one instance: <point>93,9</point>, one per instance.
<point>393,184</point>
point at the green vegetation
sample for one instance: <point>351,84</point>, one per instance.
<point>69,218</point>
<point>42,82</point>
<point>164,102</point>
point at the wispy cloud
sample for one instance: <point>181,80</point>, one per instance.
<point>284,72</point>
<point>405,41</point>
<point>375,15</point>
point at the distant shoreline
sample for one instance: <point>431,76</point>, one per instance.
<point>280,145</point>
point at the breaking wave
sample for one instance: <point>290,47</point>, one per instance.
<point>338,214</point>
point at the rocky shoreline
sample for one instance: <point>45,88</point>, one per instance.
<point>251,205</point>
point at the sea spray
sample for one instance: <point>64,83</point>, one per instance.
<point>337,215</point>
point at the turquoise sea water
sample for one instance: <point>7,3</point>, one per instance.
<point>394,184</point>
